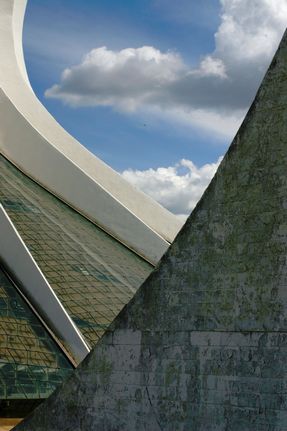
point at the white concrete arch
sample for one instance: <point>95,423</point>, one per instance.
<point>41,148</point>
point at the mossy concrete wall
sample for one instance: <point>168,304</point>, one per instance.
<point>203,344</point>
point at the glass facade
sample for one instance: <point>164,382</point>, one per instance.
<point>31,363</point>
<point>93,274</point>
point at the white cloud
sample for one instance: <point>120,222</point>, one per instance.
<point>211,121</point>
<point>127,79</point>
<point>250,30</point>
<point>221,87</point>
<point>212,66</point>
<point>178,188</point>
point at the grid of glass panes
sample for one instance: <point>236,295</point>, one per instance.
<point>93,274</point>
<point>31,364</point>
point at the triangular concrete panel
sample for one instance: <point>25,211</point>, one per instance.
<point>203,344</point>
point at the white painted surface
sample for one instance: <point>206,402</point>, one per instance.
<point>41,148</point>
<point>21,265</point>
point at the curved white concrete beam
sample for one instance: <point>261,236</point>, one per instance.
<point>72,184</point>
<point>21,265</point>
<point>62,165</point>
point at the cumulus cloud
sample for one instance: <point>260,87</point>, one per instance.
<point>223,84</point>
<point>128,78</point>
<point>178,188</point>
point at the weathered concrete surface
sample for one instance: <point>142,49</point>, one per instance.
<point>203,344</point>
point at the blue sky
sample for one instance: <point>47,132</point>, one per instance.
<point>163,100</point>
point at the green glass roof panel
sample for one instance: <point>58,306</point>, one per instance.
<point>92,273</point>
<point>31,363</point>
